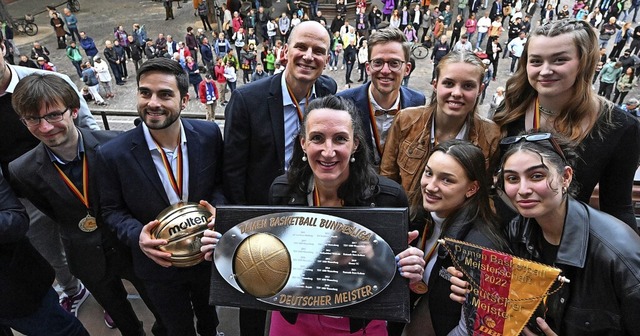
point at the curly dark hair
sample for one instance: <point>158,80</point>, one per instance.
<point>363,181</point>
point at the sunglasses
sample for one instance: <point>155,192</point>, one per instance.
<point>535,137</point>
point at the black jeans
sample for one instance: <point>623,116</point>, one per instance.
<point>117,72</point>
<point>347,75</point>
<point>514,61</point>
<point>605,89</point>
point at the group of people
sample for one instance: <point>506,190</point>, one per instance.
<point>290,139</point>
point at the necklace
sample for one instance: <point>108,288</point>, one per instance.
<point>545,111</point>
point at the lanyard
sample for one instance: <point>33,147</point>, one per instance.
<point>295,102</point>
<point>84,195</point>
<point>176,184</point>
<point>536,115</point>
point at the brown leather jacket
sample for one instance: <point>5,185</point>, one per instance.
<point>408,143</point>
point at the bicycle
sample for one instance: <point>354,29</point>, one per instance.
<point>73,5</point>
<point>25,25</point>
<point>419,51</point>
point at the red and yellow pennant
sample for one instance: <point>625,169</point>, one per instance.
<point>505,290</point>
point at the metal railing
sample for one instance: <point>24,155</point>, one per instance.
<point>105,113</point>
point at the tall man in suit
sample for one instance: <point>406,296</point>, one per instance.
<point>163,161</point>
<point>59,177</point>
<point>262,121</point>
<point>380,100</point>
<point>496,9</point>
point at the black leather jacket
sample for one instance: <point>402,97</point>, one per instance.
<point>601,257</point>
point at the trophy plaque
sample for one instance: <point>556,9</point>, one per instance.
<point>335,261</point>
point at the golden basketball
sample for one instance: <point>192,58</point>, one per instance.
<point>182,225</point>
<point>262,265</point>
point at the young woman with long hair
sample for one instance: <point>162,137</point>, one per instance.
<point>551,89</point>
<point>451,114</point>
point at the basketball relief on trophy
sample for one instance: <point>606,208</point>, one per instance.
<point>304,260</point>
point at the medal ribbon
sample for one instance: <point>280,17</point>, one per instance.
<point>295,102</point>
<point>423,242</point>
<point>84,195</point>
<point>536,115</point>
<point>316,197</point>
<point>176,184</point>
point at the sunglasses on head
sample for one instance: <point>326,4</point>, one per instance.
<point>535,137</point>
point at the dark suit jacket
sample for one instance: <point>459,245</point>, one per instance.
<point>254,138</point>
<point>25,277</point>
<point>494,10</point>
<point>360,97</point>
<point>132,192</point>
<point>34,176</point>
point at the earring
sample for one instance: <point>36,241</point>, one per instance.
<point>564,190</point>
<point>352,159</point>
<point>304,157</point>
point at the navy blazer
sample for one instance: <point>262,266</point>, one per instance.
<point>254,138</point>
<point>360,97</point>
<point>132,192</point>
<point>34,176</point>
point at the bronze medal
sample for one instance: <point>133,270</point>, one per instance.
<point>419,287</point>
<point>88,224</point>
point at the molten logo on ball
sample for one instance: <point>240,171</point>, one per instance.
<point>189,222</point>
<point>262,265</point>
<point>182,225</point>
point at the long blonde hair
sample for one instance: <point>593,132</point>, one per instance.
<point>520,95</point>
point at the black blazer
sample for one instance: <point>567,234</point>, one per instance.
<point>25,276</point>
<point>493,12</point>
<point>254,138</point>
<point>35,177</point>
<point>133,195</point>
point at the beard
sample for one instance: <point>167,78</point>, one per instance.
<point>156,123</point>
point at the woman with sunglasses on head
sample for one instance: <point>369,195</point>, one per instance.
<point>451,114</point>
<point>551,89</point>
<point>330,167</point>
<point>599,254</point>
<point>455,198</point>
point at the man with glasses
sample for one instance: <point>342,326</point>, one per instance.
<point>17,140</point>
<point>381,99</point>
<point>59,177</point>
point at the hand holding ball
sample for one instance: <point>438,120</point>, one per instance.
<point>182,226</point>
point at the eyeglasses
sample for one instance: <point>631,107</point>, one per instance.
<point>535,137</point>
<point>52,117</point>
<point>377,64</point>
